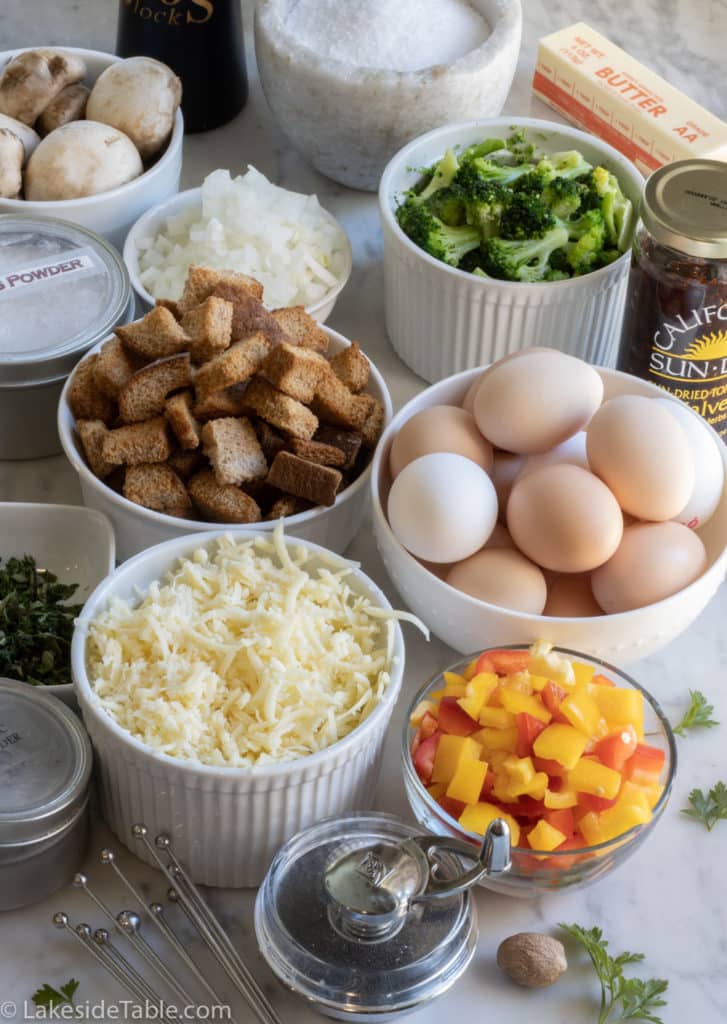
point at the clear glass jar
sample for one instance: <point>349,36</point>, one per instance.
<point>675,322</point>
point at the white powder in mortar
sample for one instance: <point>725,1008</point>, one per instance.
<point>396,35</point>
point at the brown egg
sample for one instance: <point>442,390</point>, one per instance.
<point>641,451</point>
<point>441,428</point>
<point>503,577</point>
<point>438,569</point>
<point>533,402</point>
<point>564,518</point>
<point>570,597</point>
<point>499,538</point>
<point>653,561</point>
<point>505,469</point>
<point>469,399</point>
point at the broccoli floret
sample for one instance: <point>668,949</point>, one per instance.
<point>617,210</point>
<point>448,204</point>
<point>564,196</point>
<point>589,223</point>
<point>442,176</point>
<point>484,206</point>
<point>522,261</point>
<point>471,175</point>
<point>525,217</point>
<point>557,275</point>
<point>567,164</point>
<point>518,145</point>
<point>484,148</point>
<point>587,236</point>
<point>433,236</point>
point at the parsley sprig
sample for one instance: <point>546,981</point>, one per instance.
<point>708,808</point>
<point>698,714</point>
<point>49,997</point>
<point>630,998</point>
<point>36,623</point>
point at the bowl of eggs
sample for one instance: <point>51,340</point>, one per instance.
<point>541,497</point>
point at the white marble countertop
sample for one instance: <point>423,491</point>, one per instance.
<point>669,900</point>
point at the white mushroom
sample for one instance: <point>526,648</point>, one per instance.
<point>69,105</point>
<point>27,136</point>
<point>81,159</point>
<point>11,164</point>
<point>139,96</point>
<point>32,79</point>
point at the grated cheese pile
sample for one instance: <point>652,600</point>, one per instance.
<point>242,656</point>
<point>285,240</point>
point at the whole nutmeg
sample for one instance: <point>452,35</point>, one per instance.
<point>531,959</point>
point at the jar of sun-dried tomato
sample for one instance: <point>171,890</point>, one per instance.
<point>675,324</point>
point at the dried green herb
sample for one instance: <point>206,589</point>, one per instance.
<point>36,623</point>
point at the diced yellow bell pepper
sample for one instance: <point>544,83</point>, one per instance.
<point>583,673</point>
<point>508,789</point>
<point>609,824</point>
<point>545,662</point>
<point>516,702</point>
<point>467,782</point>
<point>591,777</point>
<point>559,801</point>
<point>561,743</point>
<point>497,739</point>
<point>620,706</point>
<point>451,751</point>
<point>477,693</point>
<point>437,790</point>
<point>422,708</point>
<point>497,757</point>
<point>581,711</point>
<point>476,818</point>
<point>519,770</point>
<point>519,682</point>
<point>454,679</point>
<point>538,683</point>
<point>498,718</point>
<point>637,793</point>
<point>471,669</point>
<point>545,837</point>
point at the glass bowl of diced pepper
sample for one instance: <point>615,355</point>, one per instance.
<point>571,752</point>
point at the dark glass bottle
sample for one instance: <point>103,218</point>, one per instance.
<point>202,41</point>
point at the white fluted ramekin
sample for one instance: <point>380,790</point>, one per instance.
<point>226,824</point>
<point>441,320</point>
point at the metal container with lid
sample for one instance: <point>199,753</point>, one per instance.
<point>62,290</point>
<point>367,918</point>
<point>675,324</point>
<point>45,768</point>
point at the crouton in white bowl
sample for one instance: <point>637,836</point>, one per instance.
<point>173,429</point>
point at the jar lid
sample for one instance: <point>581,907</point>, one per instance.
<point>684,206</point>
<point>45,763</point>
<point>344,917</point>
<point>62,290</point>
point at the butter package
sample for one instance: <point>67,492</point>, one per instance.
<point>600,88</point>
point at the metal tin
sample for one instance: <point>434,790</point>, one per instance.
<point>352,917</point>
<point>684,206</point>
<point>45,768</point>
<point>62,290</point>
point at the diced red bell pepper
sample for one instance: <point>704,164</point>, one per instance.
<point>552,768</point>
<point>428,725</point>
<point>576,842</point>
<point>487,786</point>
<point>453,807</point>
<point>423,757</point>
<point>562,819</point>
<point>615,749</point>
<point>504,663</point>
<point>600,680</point>
<point>595,803</point>
<point>552,696</point>
<point>646,759</point>
<point>455,721</point>
<point>528,730</point>
<point>527,807</point>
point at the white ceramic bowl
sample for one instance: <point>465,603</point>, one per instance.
<point>226,823</point>
<point>467,624</point>
<point>74,543</point>
<point>111,213</point>
<point>348,121</point>
<point>138,528</point>
<point>442,320</point>
<point>151,223</point>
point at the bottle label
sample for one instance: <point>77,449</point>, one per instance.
<point>173,13</point>
<point>74,263</point>
<point>688,357</point>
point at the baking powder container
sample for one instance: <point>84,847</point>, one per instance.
<point>368,919</point>
<point>45,768</point>
<point>62,290</point>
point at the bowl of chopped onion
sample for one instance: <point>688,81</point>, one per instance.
<point>236,690</point>
<point>286,240</point>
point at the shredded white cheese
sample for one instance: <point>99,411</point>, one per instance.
<point>242,655</point>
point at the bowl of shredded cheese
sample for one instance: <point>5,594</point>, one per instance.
<point>236,691</point>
